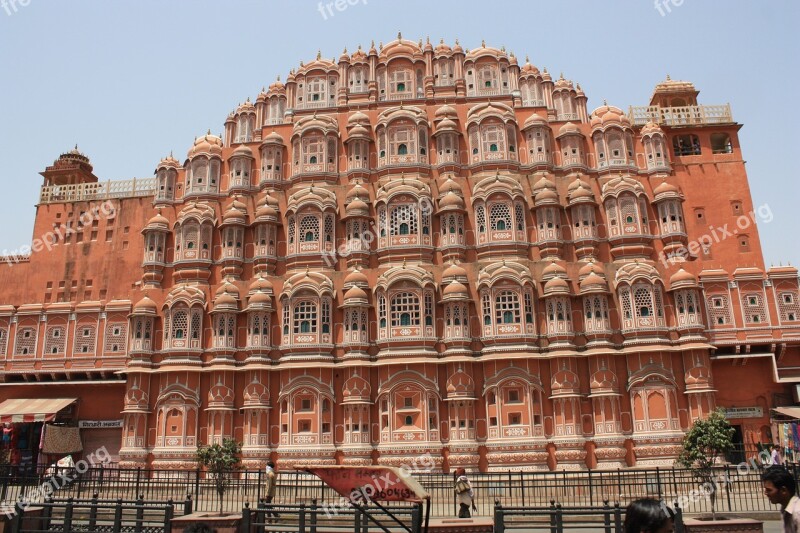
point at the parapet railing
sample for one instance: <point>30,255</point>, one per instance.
<point>51,194</point>
<point>681,116</point>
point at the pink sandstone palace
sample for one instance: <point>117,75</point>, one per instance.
<point>411,249</point>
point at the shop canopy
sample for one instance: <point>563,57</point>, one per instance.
<point>791,412</point>
<point>32,410</point>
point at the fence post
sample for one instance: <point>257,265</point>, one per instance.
<point>522,486</point>
<point>138,478</point>
<point>169,513</point>
<point>617,517</point>
<point>727,487</point>
<point>678,522</point>
<point>301,525</point>
<point>559,519</point>
<point>313,516</point>
<point>68,515</point>
<point>246,518</point>
<point>591,492</point>
<point>258,488</point>
<point>658,480</point>
<point>93,513</point>
<point>553,517</point>
<point>197,487</point>
<point>499,518</point>
<point>606,517</point>
<point>139,513</point>
<point>16,525</point>
<point>187,504</point>
<point>117,515</point>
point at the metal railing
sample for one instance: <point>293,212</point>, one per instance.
<point>558,519</point>
<point>98,515</point>
<point>314,517</point>
<point>741,492</point>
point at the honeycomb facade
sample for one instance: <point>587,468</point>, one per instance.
<point>412,249</point>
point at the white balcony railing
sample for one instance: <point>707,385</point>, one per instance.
<point>51,194</point>
<point>681,116</point>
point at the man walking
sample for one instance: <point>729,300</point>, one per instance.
<point>780,487</point>
<point>271,489</point>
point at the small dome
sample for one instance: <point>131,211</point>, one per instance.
<point>225,302</point>
<point>553,269</point>
<point>442,48</point>
<point>243,151</point>
<point>357,191</point>
<point>556,285</point>
<point>569,129</point>
<point>259,299</point>
<point>454,271</point>
<point>590,268</point>
<point>261,284</point>
<point>664,191</point>
<point>145,306</point>
<point>451,200</point>
<point>267,208</point>
<point>455,288</point>
<point>273,138</point>
<point>355,293</point>
<point>357,207</point>
<point>682,279</point>
<point>533,120</point>
<point>158,221</point>
<point>227,287</point>
<point>358,132</point>
<point>356,277</point>
<point>358,118</point>
<point>446,125</point>
<point>168,162</point>
<point>246,107</point>
<point>651,128</point>
<point>209,145</point>
<point>593,283</point>
<point>446,111</point>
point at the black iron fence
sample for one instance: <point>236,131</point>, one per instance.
<point>97,515</point>
<point>312,518</point>
<point>737,488</point>
<point>557,519</point>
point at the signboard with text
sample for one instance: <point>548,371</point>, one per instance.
<point>100,424</point>
<point>743,412</point>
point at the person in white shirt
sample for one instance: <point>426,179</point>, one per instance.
<point>464,494</point>
<point>780,487</point>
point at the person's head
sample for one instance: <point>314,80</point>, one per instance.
<point>779,485</point>
<point>648,516</point>
<point>199,528</point>
<point>460,471</point>
<point>271,464</point>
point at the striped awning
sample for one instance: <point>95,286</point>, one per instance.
<point>30,410</point>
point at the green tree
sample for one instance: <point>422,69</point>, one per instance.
<point>220,461</point>
<point>705,442</point>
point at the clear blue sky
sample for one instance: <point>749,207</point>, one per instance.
<point>131,80</point>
